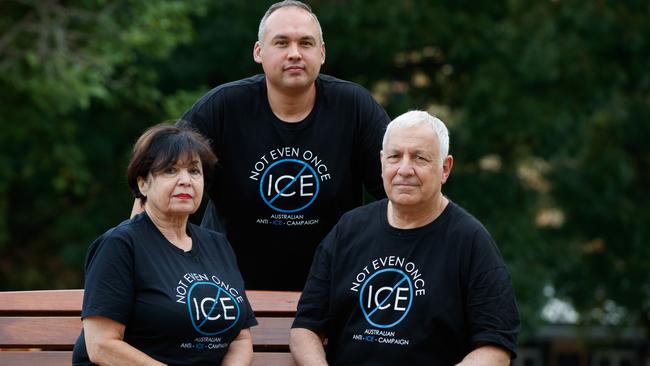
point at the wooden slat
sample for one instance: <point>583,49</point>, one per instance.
<point>41,302</point>
<point>49,320</point>
<point>68,302</point>
<point>271,334</point>
<point>62,332</point>
<point>271,359</point>
<point>41,332</point>
<point>64,358</point>
<point>45,358</point>
<point>273,303</point>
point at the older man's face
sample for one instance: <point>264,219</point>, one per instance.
<point>411,168</point>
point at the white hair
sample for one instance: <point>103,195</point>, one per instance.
<point>282,4</point>
<point>416,118</point>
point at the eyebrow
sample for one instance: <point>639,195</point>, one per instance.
<point>284,37</point>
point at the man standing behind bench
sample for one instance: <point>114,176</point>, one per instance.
<point>409,280</point>
<point>295,150</point>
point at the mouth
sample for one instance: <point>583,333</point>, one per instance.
<point>183,196</point>
<point>294,68</point>
<point>402,184</point>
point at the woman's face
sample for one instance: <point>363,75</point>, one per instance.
<point>175,191</point>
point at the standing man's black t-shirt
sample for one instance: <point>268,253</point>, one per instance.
<point>280,187</point>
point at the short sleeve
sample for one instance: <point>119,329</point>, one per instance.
<point>202,116</point>
<point>109,287</point>
<point>250,320</point>
<point>491,305</point>
<point>313,307</point>
<point>374,120</point>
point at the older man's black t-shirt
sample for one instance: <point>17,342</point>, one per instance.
<point>424,296</point>
<point>180,308</point>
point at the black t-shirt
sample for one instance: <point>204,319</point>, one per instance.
<point>180,308</point>
<point>424,296</point>
<point>280,187</point>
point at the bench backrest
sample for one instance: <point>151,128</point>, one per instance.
<point>48,322</point>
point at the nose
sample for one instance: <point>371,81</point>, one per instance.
<point>184,177</point>
<point>294,52</point>
<point>405,167</point>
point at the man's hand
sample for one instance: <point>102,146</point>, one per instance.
<point>138,207</point>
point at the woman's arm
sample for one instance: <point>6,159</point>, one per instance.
<point>240,350</point>
<point>105,345</point>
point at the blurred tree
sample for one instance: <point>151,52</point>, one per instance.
<point>77,90</point>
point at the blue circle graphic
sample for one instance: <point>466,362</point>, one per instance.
<point>204,322</point>
<point>404,278</point>
<point>271,201</point>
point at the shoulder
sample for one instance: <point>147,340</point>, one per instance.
<point>333,84</point>
<point>354,99</point>
<point>126,229</point>
<point>363,216</point>
<point>238,88</point>
<point>120,238</point>
<point>208,234</point>
<point>211,239</point>
<point>464,222</point>
<point>471,235</point>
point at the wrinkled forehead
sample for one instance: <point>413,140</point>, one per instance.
<point>422,137</point>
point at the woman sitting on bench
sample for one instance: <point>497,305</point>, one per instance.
<point>159,289</point>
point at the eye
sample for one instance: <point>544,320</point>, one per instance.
<point>392,158</point>
<point>280,43</point>
<point>306,43</point>
<point>170,170</point>
<point>195,171</point>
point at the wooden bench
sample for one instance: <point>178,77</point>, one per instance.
<point>40,327</point>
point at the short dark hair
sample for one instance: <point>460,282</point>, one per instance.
<point>160,147</point>
<point>283,4</point>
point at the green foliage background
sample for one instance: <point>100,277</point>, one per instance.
<point>548,104</point>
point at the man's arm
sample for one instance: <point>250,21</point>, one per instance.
<point>307,347</point>
<point>240,351</point>
<point>138,207</point>
<point>486,355</point>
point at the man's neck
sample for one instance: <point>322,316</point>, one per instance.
<point>291,106</point>
<point>409,217</point>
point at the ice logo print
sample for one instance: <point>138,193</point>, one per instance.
<point>386,297</point>
<point>212,309</point>
<point>289,185</point>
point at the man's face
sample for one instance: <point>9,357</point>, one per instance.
<point>291,52</point>
<point>411,168</point>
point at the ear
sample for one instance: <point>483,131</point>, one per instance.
<point>257,52</point>
<point>322,53</point>
<point>143,185</point>
<point>446,168</point>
